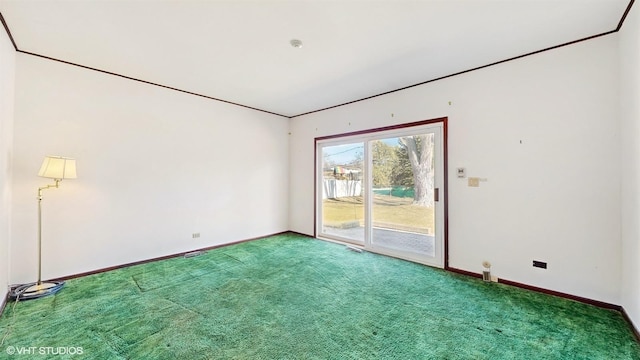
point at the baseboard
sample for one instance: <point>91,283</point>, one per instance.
<point>581,299</point>
<point>121,266</point>
<point>464,272</point>
<point>299,233</point>
<point>631,324</point>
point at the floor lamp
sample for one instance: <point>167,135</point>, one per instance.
<point>56,168</point>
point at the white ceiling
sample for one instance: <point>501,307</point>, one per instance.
<point>239,50</point>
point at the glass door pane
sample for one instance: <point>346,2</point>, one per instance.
<point>343,191</point>
<point>403,207</point>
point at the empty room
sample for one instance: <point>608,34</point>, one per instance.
<point>319,179</point>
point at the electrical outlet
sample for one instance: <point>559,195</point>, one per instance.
<point>474,182</point>
<point>195,235</point>
<point>539,264</point>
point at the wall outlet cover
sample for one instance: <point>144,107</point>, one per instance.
<point>539,264</point>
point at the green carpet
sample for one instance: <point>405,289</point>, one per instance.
<point>293,297</point>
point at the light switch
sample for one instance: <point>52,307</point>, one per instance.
<point>474,182</point>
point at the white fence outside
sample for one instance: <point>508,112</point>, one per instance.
<point>333,189</point>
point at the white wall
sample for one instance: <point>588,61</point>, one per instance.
<point>154,166</point>
<point>553,198</point>
<point>630,128</point>
<point>7,76</point>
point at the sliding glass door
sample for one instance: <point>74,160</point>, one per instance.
<point>341,169</point>
<point>384,191</point>
<point>402,214</point>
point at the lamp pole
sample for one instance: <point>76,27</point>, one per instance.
<point>56,168</point>
<point>40,227</point>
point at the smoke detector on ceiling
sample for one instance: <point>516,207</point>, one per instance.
<point>296,43</point>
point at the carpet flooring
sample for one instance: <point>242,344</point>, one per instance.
<point>293,297</point>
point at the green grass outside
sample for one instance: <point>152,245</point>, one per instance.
<point>388,212</point>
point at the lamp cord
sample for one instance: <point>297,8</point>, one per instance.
<point>12,321</point>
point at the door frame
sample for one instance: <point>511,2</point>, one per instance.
<point>444,191</point>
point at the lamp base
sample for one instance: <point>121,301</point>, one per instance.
<point>35,290</point>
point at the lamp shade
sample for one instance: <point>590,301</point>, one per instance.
<point>58,167</point>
